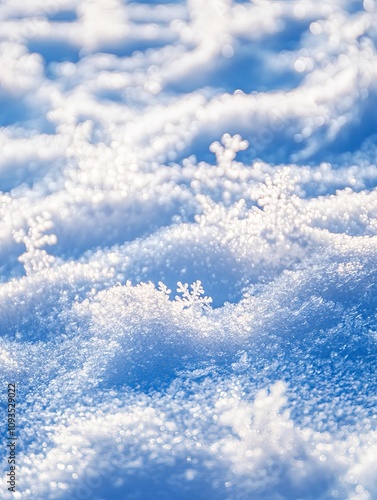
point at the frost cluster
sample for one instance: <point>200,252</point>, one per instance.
<point>188,229</point>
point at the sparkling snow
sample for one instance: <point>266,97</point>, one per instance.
<point>188,248</point>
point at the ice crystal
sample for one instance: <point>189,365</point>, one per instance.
<point>192,296</point>
<point>36,258</point>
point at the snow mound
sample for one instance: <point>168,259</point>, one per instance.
<point>188,248</point>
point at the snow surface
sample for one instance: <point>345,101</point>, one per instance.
<point>155,156</point>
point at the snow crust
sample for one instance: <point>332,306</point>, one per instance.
<point>188,248</point>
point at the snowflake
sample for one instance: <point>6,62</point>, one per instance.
<point>35,258</point>
<point>164,289</point>
<point>192,296</point>
<point>227,148</point>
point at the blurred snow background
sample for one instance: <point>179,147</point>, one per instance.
<point>224,148</point>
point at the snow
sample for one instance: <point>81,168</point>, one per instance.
<point>188,248</point>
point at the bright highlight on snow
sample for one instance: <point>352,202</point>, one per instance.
<point>188,248</point>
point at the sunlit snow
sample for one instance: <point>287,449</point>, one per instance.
<point>188,248</point>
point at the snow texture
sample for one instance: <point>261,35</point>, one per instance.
<point>188,248</point>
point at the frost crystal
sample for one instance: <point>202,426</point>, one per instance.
<point>107,110</point>
<point>164,289</point>
<point>192,296</point>
<point>227,149</point>
<point>35,258</point>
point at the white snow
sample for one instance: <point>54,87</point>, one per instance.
<point>188,248</point>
